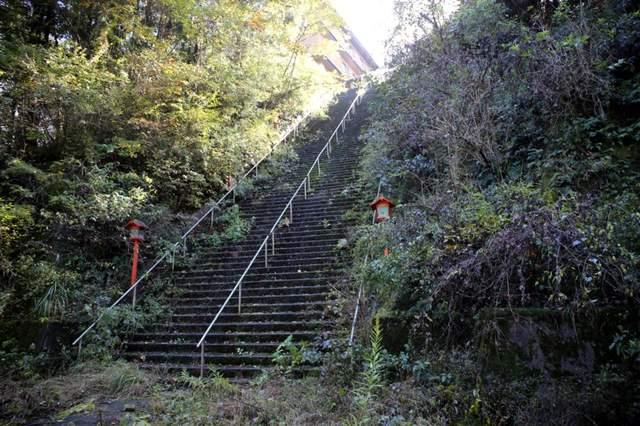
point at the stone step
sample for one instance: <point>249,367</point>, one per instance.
<point>216,336</point>
<point>313,218</point>
<point>295,261</point>
<point>280,245</point>
<point>210,357</point>
<point>330,248</point>
<point>248,291</point>
<point>220,347</point>
<point>246,326</point>
<point>299,208</point>
<point>251,276</point>
<point>229,315</point>
<point>284,241</point>
<point>315,197</point>
<point>229,371</point>
<point>276,298</point>
<point>281,256</point>
<point>255,307</point>
<point>256,280</point>
<point>257,268</point>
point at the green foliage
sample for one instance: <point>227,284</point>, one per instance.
<point>19,363</point>
<point>372,378</point>
<point>626,345</point>
<point>289,355</point>
<point>123,377</point>
<point>123,109</point>
<point>228,227</point>
<point>111,331</point>
<point>207,387</point>
<point>517,183</point>
<point>15,224</point>
<point>507,136</point>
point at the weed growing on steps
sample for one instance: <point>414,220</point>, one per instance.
<point>111,332</point>
<point>289,355</point>
<point>228,227</point>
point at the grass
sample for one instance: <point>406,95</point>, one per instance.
<point>274,399</point>
<point>29,399</point>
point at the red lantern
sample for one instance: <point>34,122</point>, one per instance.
<point>382,207</point>
<point>136,230</point>
<point>136,234</point>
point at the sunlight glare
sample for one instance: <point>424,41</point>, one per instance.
<point>373,22</point>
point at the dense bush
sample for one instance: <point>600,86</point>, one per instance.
<point>509,137</point>
<point>515,155</point>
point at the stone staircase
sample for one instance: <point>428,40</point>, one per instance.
<point>289,296</point>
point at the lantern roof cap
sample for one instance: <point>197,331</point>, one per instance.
<point>136,224</point>
<point>381,199</point>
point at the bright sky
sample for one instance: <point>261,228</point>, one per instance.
<point>371,20</point>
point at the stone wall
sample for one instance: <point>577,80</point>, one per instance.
<point>552,343</point>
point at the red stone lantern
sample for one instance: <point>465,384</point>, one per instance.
<point>136,234</point>
<point>382,207</point>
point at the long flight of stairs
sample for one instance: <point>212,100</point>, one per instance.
<point>287,297</point>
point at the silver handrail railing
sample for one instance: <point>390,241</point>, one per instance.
<point>357,309</point>
<point>306,184</point>
<point>361,289</point>
<point>292,129</point>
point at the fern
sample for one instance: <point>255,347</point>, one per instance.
<point>288,355</point>
<point>219,383</point>
<point>372,378</point>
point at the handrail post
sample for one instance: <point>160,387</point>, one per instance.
<point>133,301</point>
<point>202,360</point>
<point>273,244</point>
<point>305,189</point>
<point>79,348</point>
<point>266,250</point>
<point>355,316</point>
<point>357,310</point>
<point>184,246</point>
<point>211,224</point>
<point>240,298</point>
<point>291,212</point>
<point>318,166</point>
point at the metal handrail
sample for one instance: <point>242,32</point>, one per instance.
<point>306,182</point>
<point>357,310</point>
<point>361,289</point>
<point>293,128</point>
